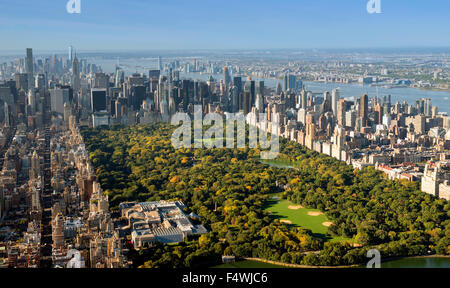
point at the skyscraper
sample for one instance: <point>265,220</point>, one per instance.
<point>285,82</point>
<point>29,68</point>
<point>234,99</point>
<point>226,77</point>
<point>70,54</point>
<point>334,101</point>
<point>260,89</point>
<point>59,96</point>
<point>341,112</point>
<point>289,82</point>
<point>76,74</point>
<point>237,81</point>
<point>98,100</point>
<point>101,81</point>
<point>292,82</point>
<point>304,99</point>
<point>249,96</point>
<point>364,110</point>
<point>154,74</point>
<point>159,63</point>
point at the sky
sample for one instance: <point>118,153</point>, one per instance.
<point>113,25</point>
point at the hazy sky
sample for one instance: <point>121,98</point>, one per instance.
<point>227,24</point>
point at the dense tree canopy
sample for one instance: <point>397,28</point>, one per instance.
<point>229,188</point>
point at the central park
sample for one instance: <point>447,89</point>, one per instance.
<point>316,211</point>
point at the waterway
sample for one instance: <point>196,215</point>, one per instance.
<point>441,99</point>
<point>418,262</point>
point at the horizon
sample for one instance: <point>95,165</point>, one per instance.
<point>331,50</point>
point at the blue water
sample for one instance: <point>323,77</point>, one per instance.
<point>432,262</point>
<point>440,99</point>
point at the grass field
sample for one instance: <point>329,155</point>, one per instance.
<point>299,217</point>
<point>248,264</point>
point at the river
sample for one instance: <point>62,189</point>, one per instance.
<point>410,95</point>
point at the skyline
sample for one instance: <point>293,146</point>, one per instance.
<point>177,25</point>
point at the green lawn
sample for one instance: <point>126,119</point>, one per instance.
<point>248,264</point>
<point>300,217</point>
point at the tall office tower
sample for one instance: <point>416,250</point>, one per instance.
<point>292,82</point>
<point>70,54</point>
<point>260,89</point>
<point>98,100</point>
<point>285,82</point>
<point>203,93</point>
<point>278,89</point>
<point>119,78</point>
<point>137,79</point>
<point>340,115</point>
<point>164,109</point>
<point>249,96</point>
<point>334,101</point>
<point>226,77</point>
<point>427,107</point>
<point>31,102</point>
<point>259,103</point>
<point>386,108</point>
<point>245,104</point>
<point>160,64</point>
<point>386,104</point>
<point>138,95</point>
<point>237,81</point>
<point>101,81</point>
<point>21,80</point>
<point>299,86</point>
<point>364,110</point>
<point>289,82</point>
<point>59,96</point>
<point>326,105</point>
<point>234,99</point>
<point>154,74</point>
<point>39,82</point>
<point>76,74</point>
<point>304,99</point>
<point>29,68</point>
